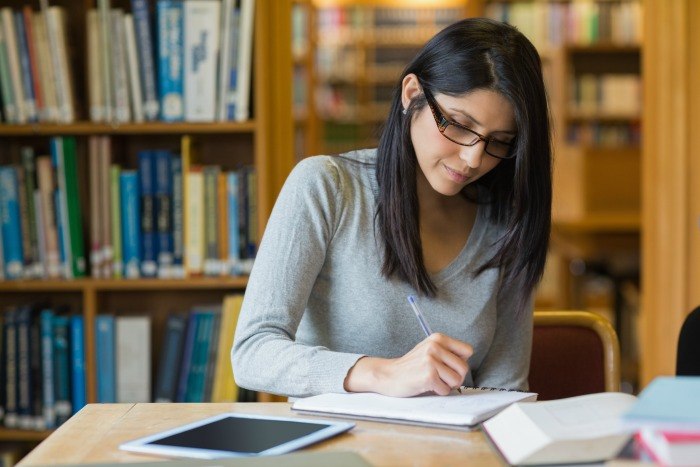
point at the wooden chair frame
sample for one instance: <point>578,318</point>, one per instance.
<point>602,327</point>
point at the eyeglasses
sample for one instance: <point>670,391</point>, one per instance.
<point>465,136</point>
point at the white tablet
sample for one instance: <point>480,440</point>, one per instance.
<point>237,435</point>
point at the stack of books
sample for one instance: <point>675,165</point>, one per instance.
<point>667,419</point>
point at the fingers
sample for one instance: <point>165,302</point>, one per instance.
<point>459,348</point>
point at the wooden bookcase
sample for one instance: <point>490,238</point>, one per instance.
<point>264,141</point>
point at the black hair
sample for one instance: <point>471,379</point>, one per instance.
<point>473,54</point>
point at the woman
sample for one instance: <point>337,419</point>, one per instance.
<point>453,207</point>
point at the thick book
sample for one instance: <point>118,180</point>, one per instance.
<point>463,408</point>
<point>133,358</point>
<point>671,447</point>
<point>572,430</point>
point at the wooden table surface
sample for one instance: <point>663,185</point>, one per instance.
<point>94,434</point>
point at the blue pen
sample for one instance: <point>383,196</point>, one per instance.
<point>421,319</point>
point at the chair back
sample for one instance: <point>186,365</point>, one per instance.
<point>573,353</point>
<point>688,356</point>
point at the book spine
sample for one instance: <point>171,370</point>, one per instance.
<point>13,255</point>
<point>29,166</point>
<point>106,73</point>
<point>61,202</point>
<point>37,387</point>
<point>211,231</point>
<point>147,69</point>
<point>170,57</point>
<point>164,211</point>
<point>48,215</point>
<point>234,248</point>
<point>70,158</point>
<point>64,79</point>
<point>8,25</point>
<point>194,227</point>
<point>62,374</point>
<point>122,109</point>
<point>231,96</point>
<point>187,351</point>
<point>24,381</point>
<point>105,195</point>
<point>130,220</point>
<point>201,47</point>
<point>133,349</point>
<point>8,96</point>
<point>46,71</point>
<point>96,258</point>
<point>28,259</point>
<point>245,53</point>
<point>116,213</point>
<point>47,370</point>
<point>104,337</point>
<point>227,7</point>
<point>222,223</point>
<point>149,265</point>
<point>26,68</point>
<point>210,360</point>
<point>95,80</point>
<point>10,342</point>
<point>178,222</point>
<point>133,67</point>
<point>171,353</point>
<point>77,358</point>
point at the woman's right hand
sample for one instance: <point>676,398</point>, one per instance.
<point>436,365</point>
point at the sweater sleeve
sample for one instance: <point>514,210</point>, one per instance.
<point>507,363</point>
<point>265,355</point>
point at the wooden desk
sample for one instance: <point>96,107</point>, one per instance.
<point>94,434</point>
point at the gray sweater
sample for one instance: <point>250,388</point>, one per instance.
<point>316,300</point>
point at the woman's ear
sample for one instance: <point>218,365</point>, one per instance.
<point>410,88</point>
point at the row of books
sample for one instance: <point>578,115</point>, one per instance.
<point>36,81</point>
<point>198,71</point>
<point>193,64</point>
<point>619,94</point>
<point>42,366</point>
<point>169,219</point>
<point>604,134</point>
<point>581,22</point>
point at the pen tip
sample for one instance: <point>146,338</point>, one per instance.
<point>411,299</point>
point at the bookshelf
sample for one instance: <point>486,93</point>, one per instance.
<point>263,141</point>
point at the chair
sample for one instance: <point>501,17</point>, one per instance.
<point>573,353</point>
<point>688,355</point>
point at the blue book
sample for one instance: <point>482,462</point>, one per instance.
<point>46,332</point>
<point>171,73</point>
<point>232,91</point>
<point>162,187</point>
<point>145,51</point>
<point>131,225</point>
<point>170,357</point>
<point>234,242</point>
<point>106,365</point>
<point>27,78</point>
<point>178,213</point>
<point>187,355</point>
<point>61,368</point>
<point>200,353</point>
<point>61,200</point>
<point>149,249</point>
<point>13,254</point>
<point>667,403</point>
<point>77,358</point>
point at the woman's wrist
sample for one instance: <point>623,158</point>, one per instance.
<point>365,375</point>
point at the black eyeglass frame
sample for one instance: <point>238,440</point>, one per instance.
<point>443,122</point>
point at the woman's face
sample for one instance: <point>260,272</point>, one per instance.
<point>447,166</point>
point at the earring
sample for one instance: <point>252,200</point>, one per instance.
<point>403,111</point>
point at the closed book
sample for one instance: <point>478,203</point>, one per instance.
<point>75,223</point>
<point>45,180</point>
<point>130,222</point>
<point>671,447</point>
<point>213,348</point>
<point>177,269</point>
<point>23,320</point>
<point>133,351</point>
<point>10,35</point>
<point>61,206</point>
<point>667,403</point>
<point>224,387</point>
<point>105,358</point>
<point>8,94</point>
<point>170,32</point>
<point>13,255</point>
<point>187,354</point>
<point>170,357</point>
<point>244,59</point>
<point>27,266</point>
<point>225,56</point>
<point>47,367</point>
<point>96,259</point>
<point>195,379</point>
<point>36,369</point>
<point>563,431</point>
<point>116,220</point>
<point>106,73</point>
<point>11,375</point>
<point>135,91</point>
<point>29,187</point>
<point>49,112</point>
<point>25,68</point>
<point>77,358</point>
<point>32,60</point>
<point>57,34</point>
<point>163,196</point>
<point>146,51</point>
<point>62,368</point>
<point>149,248</point>
<point>201,53</point>
<point>211,228</point>
<point>234,244</point>
<point>194,225</point>
<point>120,74</point>
<point>96,92</point>
<point>105,211</point>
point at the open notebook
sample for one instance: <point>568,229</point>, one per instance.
<point>464,408</point>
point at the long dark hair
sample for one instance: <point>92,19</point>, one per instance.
<point>473,54</point>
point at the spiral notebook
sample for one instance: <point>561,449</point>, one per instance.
<point>463,409</point>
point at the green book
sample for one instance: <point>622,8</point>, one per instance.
<point>75,223</point>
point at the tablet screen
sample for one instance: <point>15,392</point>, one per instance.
<point>245,435</point>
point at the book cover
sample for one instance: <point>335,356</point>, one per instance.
<point>671,448</point>
<point>562,431</point>
<point>105,358</point>
<point>225,47</point>
<point>667,403</point>
<point>213,345</point>
<point>170,31</point>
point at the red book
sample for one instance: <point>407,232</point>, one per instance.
<point>672,447</point>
